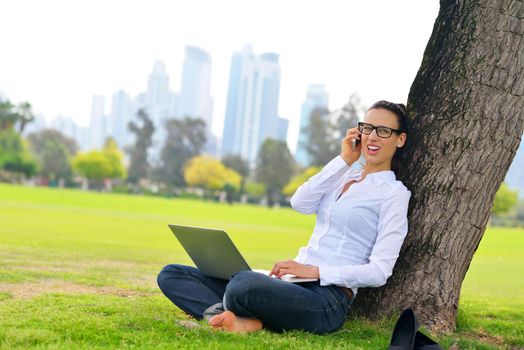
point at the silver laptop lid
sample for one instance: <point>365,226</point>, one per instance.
<point>211,250</point>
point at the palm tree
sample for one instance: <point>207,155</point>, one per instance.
<point>25,114</point>
<point>8,117</point>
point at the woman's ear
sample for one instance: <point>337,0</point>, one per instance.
<point>401,140</point>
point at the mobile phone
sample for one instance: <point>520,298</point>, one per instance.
<point>355,143</point>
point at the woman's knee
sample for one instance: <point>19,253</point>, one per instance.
<point>243,285</point>
<point>168,272</point>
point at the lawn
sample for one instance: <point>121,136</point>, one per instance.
<point>78,271</point>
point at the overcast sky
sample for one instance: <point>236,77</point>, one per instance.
<point>58,54</point>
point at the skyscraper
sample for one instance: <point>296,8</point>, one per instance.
<point>252,103</point>
<point>97,125</point>
<point>316,97</point>
<point>195,100</point>
<point>159,104</point>
<point>120,117</point>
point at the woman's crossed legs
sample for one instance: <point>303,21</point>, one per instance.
<point>251,297</point>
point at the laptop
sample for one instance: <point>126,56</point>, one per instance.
<point>214,253</point>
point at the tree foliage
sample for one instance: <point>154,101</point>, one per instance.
<point>325,130</point>
<point>37,141</point>
<point>10,115</point>
<point>275,166</point>
<point>139,166</point>
<point>505,199</point>
<point>185,140</point>
<point>101,164</point>
<point>53,151</point>
<point>211,174</point>
<point>299,179</point>
<point>15,155</point>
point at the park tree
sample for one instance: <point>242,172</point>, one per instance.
<point>297,180</point>
<point>15,156</point>
<point>11,115</point>
<point>115,160</point>
<point>347,117</point>
<point>185,139</point>
<point>466,117</point>
<point>319,140</point>
<point>37,141</point>
<point>211,174</point>
<point>505,200</point>
<point>238,164</point>
<point>53,151</point>
<point>100,165</point>
<point>139,167</point>
<point>275,166</point>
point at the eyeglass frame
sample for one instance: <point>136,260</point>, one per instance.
<point>398,131</point>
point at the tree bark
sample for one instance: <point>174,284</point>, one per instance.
<point>466,120</point>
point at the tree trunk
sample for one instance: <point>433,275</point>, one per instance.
<point>466,121</point>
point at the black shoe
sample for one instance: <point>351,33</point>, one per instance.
<point>422,342</point>
<point>403,337</point>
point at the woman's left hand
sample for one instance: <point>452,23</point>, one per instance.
<point>285,267</point>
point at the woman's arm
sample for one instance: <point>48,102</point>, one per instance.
<point>307,197</point>
<point>392,229</point>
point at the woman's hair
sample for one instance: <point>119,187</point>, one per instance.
<point>399,110</point>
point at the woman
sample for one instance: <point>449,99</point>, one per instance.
<point>361,223</point>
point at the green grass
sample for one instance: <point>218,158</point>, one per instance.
<point>78,270</point>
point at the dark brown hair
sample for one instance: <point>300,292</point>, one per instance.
<point>399,110</point>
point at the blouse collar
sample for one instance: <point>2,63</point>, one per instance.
<point>379,177</point>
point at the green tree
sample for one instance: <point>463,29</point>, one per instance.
<point>37,140</point>
<point>185,140</point>
<point>15,155</point>
<point>299,179</point>
<point>240,165</point>
<point>25,115</point>
<point>505,199</point>
<point>255,190</point>
<point>10,115</point>
<point>115,159</point>
<point>139,167</point>
<point>53,151</point>
<point>320,141</point>
<point>55,161</point>
<point>211,174</point>
<point>275,166</point>
<point>98,165</point>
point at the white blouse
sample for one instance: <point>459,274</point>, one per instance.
<point>357,238</point>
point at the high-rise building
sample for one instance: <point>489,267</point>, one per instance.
<point>98,122</point>
<point>195,99</point>
<point>282,128</point>
<point>316,97</point>
<point>120,116</point>
<point>159,104</point>
<point>252,103</point>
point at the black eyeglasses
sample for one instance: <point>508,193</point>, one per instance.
<point>382,131</point>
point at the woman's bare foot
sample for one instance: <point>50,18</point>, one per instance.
<point>230,322</point>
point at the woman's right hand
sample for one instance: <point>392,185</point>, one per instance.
<point>347,153</point>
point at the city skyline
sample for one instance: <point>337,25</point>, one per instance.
<point>368,48</point>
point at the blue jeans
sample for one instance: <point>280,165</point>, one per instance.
<point>279,305</point>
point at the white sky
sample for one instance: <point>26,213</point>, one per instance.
<point>58,54</point>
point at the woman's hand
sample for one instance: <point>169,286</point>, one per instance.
<point>347,153</point>
<point>282,268</point>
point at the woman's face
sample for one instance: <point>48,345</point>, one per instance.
<point>387,146</point>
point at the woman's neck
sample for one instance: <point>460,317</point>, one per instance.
<point>371,168</point>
